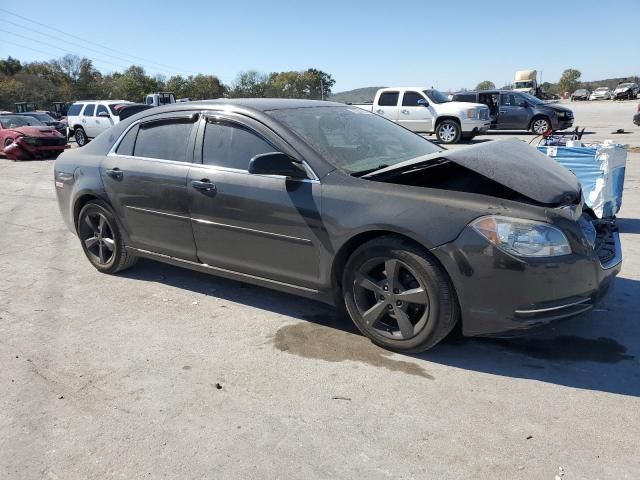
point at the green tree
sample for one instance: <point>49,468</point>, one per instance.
<point>204,87</point>
<point>249,84</point>
<point>570,80</point>
<point>133,84</point>
<point>486,85</point>
<point>10,66</point>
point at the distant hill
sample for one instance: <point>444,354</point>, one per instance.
<point>359,95</point>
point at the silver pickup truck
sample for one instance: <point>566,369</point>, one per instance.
<point>424,110</point>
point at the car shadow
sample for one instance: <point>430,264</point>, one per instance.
<point>597,351</point>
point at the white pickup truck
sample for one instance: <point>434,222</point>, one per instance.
<point>424,110</point>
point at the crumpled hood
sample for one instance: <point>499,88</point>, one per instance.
<point>513,164</point>
<point>33,131</point>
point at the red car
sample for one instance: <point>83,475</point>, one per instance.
<point>26,138</point>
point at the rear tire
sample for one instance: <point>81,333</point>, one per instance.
<point>398,296</point>
<point>81,137</point>
<point>101,239</point>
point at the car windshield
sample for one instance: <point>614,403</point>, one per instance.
<point>582,90</point>
<point>624,85</point>
<point>15,121</point>
<point>43,117</point>
<point>531,98</point>
<point>353,139</point>
<point>528,84</point>
<point>436,97</point>
<point>602,89</point>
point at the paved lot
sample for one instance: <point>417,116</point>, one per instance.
<point>164,373</point>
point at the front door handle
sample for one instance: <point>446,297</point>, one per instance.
<point>380,111</point>
<point>405,111</point>
<point>115,173</point>
<point>205,186</point>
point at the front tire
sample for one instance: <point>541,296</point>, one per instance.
<point>398,296</point>
<point>540,125</point>
<point>101,239</point>
<point>448,131</point>
<point>81,137</point>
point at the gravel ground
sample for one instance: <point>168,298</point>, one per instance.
<point>165,373</point>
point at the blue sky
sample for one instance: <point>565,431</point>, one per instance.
<point>452,44</point>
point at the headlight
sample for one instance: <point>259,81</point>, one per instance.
<point>473,113</point>
<point>29,140</point>
<point>524,238</point>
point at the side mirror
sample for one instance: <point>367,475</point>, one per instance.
<point>276,163</point>
<point>422,102</point>
<point>103,114</point>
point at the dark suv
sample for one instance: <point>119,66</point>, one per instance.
<point>511,110</point>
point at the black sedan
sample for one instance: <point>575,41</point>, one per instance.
<point>338,204</point>
<point>48,120</point>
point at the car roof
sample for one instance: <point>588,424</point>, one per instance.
<point>493,90</point>
<point>260,104</point>
<point>102,101</point>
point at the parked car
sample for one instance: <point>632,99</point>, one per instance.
<point>429,111</point>
<point>510,110</point>
<point>89,118</point>
<point>601,93</point>
<point>626,90</point>
<point>157,99</point>
<point>332,202</point>
<point>48,120</point>
<point>26,138</point>
<point>636,117</point>
<point>580,94</point>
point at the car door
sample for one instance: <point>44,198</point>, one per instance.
<point>416,113</point>
<point>260,225</point>
<point>87,120</point>
<point>387,105</point>
<point>514,112</point>
<point>103,119</point>
<point>145,178</point>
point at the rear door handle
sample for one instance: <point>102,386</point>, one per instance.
<point>115,173</point>
<point>380,111</point>
<point>205,186</point>
<point>405,111</point>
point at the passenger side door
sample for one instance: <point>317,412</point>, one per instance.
<point>513,112</point>
<point>260,225</point>
<point>145,178</point>
<point>87,120</point>
<point>387,105</point>
<point>104,121</point>
<point>415,112</point>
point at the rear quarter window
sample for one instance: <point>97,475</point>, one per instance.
<point>74,110</point>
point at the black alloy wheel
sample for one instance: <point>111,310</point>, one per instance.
<point>398,296</point>
<point>101,239</point>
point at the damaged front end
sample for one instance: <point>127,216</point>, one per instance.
<point>515,268</point>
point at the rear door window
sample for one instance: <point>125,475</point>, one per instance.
<point>101,108</point>
<point>166,140</point>
<point>388,99</point>
<point>89,109</point>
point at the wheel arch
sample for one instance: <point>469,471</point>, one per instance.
<point>538,116</point>
<point>441,119</point>
<point>353,243</point>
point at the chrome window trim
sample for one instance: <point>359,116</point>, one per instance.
<point>114,147</point>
